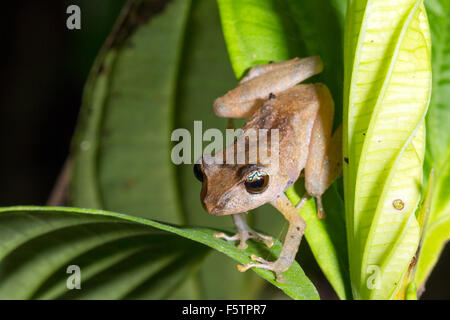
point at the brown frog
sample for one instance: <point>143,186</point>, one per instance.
<point>271,97</point>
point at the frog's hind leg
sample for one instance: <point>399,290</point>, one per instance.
<point>325,151</point>
<point>244,233</point>
<point>291,243</point>
<point>263,82</point>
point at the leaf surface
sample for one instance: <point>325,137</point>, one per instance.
<point>119,256</point>
<point>387,89</point>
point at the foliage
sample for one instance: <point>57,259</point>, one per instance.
<point>160,69</point>
<point>437,155</point>
<point>121,257</point>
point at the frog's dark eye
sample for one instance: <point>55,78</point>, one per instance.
<point>198,172</point>
<point>257,182</point>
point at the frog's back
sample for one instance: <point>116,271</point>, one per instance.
<point>292,113</point>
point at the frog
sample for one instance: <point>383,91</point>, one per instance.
<point>271,96</point>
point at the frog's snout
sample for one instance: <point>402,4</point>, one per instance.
<point>212,206</point>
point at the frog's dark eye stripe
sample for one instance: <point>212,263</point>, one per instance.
<point>198,172</point>
<point>257,182</point>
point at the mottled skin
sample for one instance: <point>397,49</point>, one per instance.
<point>271,98</point>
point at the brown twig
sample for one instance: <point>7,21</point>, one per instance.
<point>59,194</point>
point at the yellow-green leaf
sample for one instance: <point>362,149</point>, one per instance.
<point>119,256</point>
<point>387,89</point>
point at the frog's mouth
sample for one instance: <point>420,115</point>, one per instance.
<point>226,206</point>
<point>214,209</point>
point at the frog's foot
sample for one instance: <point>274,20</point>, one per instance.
<point>276,266</point>
<point>244,235</point>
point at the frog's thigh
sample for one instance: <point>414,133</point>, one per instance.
<point>317,165</point>
<point>261,82</point>
<point>233,108</point>
<point>260,69</point>
<point>307,66</point>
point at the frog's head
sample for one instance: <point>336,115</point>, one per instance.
<point>234,188</point>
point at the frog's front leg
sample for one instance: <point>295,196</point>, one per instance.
<point>244,233</point>
<point>263,82</point>
<point>291,243</point>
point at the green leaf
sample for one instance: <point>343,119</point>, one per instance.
<point>437,231</point>
<point>122,146</point>
<point>149,79</point>
<point>258,31</point>
<point>387,89</point>
<point>119,256</point>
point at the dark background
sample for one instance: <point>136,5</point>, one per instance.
<point>44,67</point>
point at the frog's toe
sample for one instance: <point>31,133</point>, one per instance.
<point>243,236</point>
<point>254,257</point>
<point>222,235</point>
<point>320,211</point>
<point>268,241</point>
<point>251,234</point>
<point>264,264</point>
<point>243,245</point>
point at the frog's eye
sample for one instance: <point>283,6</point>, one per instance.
<point>198,172</point>
<point>257,182</point>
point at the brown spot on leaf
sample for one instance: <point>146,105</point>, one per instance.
<point>101,69</point>
<point>129,183</point>
<point>398,204</point>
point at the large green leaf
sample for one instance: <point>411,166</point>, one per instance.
<point>122,145</point>
<point>269,30</point>
<point>121,148</point>
<point>119,256</point>
<point>153,76</point>
<point>258,31</point>
<point>387,89</point>
<point>437,231</point>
